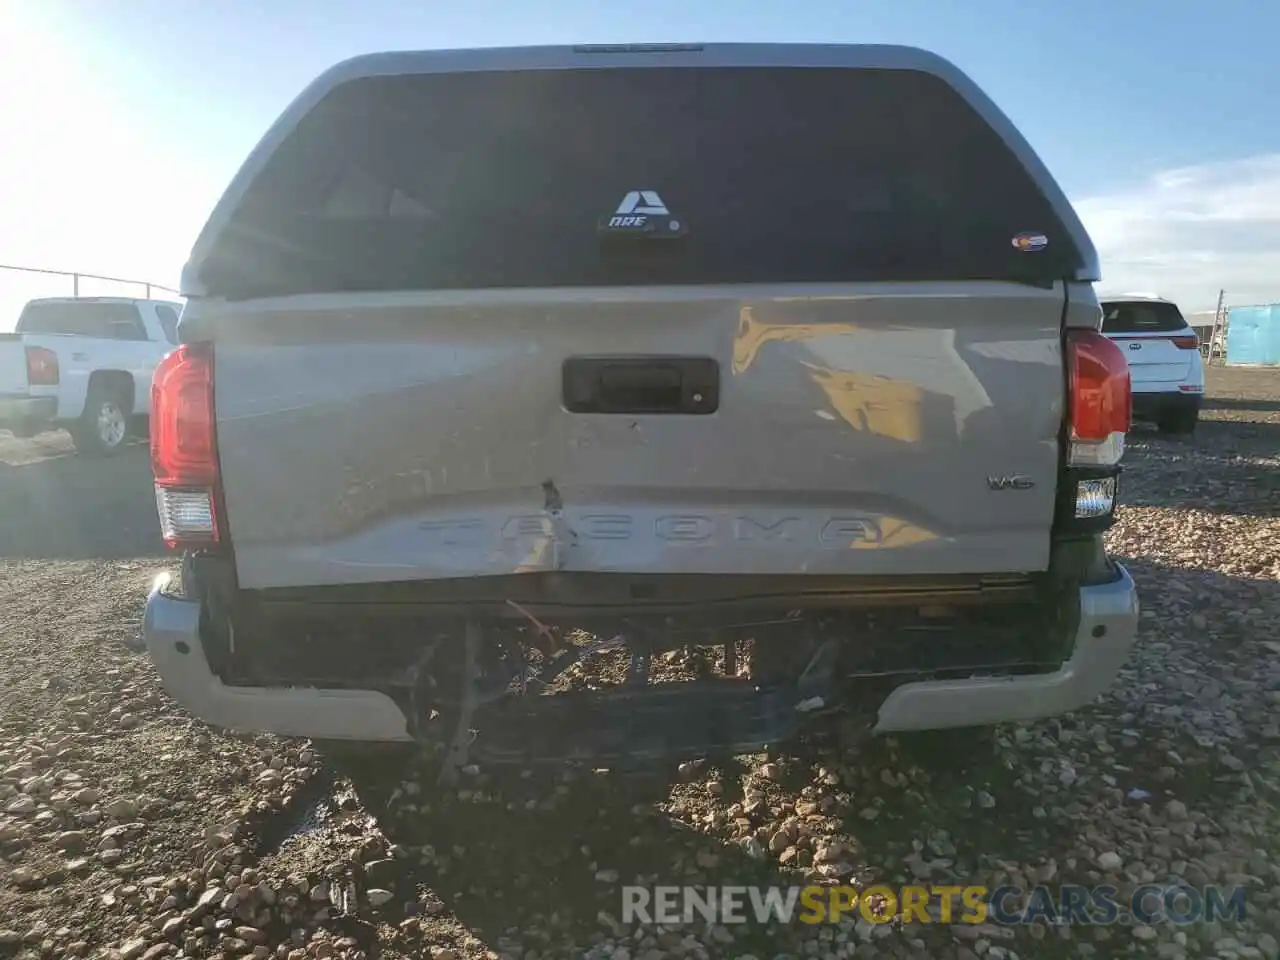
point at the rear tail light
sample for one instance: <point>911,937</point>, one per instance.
<point>42,367</point>
<point>184,449</point>
<point>1100,402</point>
<point>1186,343</point>
<point>1099,405</point>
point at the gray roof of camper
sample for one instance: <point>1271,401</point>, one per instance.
<point>561,57</point>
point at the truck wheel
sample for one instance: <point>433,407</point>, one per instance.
<point>103,427</point>
<point>1179,422</point>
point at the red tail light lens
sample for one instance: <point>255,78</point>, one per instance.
<point>1186,343</point>
<point>1100,398</point>
<point>42,367</point>
<point>184,450</point>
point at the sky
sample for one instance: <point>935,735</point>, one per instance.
<point>123,120</point>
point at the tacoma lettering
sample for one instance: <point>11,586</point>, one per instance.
<point>746,528</point>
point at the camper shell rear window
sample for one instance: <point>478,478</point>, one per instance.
<point>771,174</point>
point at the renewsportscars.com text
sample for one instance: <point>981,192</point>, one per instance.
<point>1069,904</point>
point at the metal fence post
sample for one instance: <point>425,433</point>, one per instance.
<point>76,277</point>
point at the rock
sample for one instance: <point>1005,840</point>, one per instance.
<point>940,843</point>
<point>1110,860</point>
<point>22,805</point>
<point>121,809</point>
<point>381,873</point>
<point>209,897</point>
<point>132,949</point>
<point>85,796</point>
<point>689,769</point>
<point>379,897</point>
<point>71,841</point>
<point>1176,810</point>
<point>25,878</point>
<point>219,836</point>
<point>770,771</point>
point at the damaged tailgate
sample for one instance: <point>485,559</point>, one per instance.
<point>468,324</point>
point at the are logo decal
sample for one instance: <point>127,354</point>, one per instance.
<point>643,202</point>
<point>643,212</point>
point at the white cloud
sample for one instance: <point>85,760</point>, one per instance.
<point>1187,233</point>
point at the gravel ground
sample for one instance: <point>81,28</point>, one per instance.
<point>129,830</point>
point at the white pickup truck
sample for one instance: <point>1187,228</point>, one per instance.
<point>84,364</point>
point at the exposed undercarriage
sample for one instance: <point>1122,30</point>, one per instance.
<point>529,671</point>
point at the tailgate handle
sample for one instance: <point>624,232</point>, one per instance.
<point>655,385</point>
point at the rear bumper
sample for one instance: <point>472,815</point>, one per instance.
<point>1108,623</point>
<point>26,410</point>
<point>1154,405</point>
<point>171,631</point>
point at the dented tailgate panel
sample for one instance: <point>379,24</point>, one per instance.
<point>861,430</point>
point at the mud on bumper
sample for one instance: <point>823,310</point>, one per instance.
<point>652,721</point>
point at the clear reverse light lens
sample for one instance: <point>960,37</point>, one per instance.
<point>185,514</point>
<point>1095,498</point>
<point>1104,453</point>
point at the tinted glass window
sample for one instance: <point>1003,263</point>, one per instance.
<point>1141,318</point>
<point>84,319</point>
<point>502,179</point>
<point>168,322</point>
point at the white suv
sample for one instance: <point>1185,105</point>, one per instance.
<point>1165,366</point>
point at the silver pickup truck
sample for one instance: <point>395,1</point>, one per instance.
<point>778,360</point>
